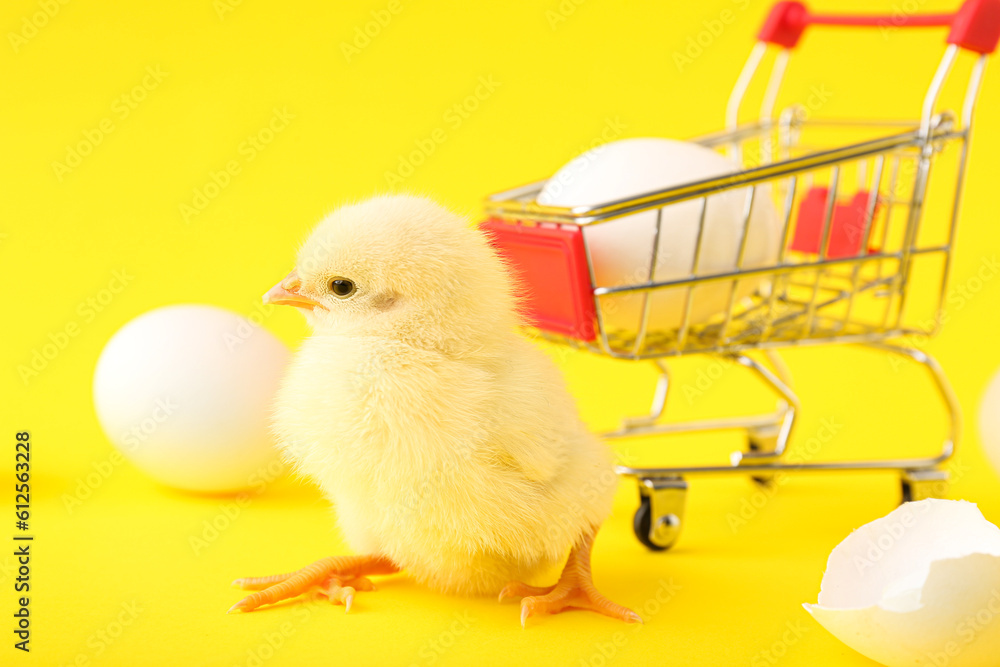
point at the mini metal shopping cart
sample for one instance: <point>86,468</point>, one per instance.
<point>851,197</point>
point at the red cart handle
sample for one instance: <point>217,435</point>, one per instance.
<point>975,26</point>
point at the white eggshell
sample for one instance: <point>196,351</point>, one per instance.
<point>184,392</point>
<point>989,422</point>
<point>622,249</point>
<point>920,586</point>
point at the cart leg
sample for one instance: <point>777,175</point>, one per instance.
<point>930,482</point>
<point>659,401</point>
<point>657,523</point>
<point>952,409</point>
<point>780,369</point>
<point>766,444</point>
<point>923,484</point>
<point>762,447</point>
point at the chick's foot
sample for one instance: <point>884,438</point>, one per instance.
<point>574,590</point>
<point>337,578</point>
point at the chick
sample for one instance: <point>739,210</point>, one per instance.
<point>447,442</point>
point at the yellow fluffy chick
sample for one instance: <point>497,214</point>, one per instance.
<point>446,441</point>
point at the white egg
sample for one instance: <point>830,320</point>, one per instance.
<point>184,392</point>
<point>622,249</point>
<point>989,422</point>
<point>918,587</point>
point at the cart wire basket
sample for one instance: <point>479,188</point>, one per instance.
<point>850,196</point>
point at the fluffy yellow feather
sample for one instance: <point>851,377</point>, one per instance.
<point>446,440</point>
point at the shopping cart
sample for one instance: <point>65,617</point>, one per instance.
<point>851,195</point>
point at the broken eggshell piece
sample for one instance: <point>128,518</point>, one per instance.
<point>920,586</point>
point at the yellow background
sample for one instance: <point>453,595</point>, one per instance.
<point>565,71</point>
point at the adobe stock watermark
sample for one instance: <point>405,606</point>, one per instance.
<point>132,439</point>
<point>32,23</point>
<point>711,30</point>
<point>957,298</point>
<point>956,469</point>
<point>272,641</point>
<point>224,7</point>
<point>560,14</point>
<point>229,511</point>
<point>560,353</point>
<point>412,504</point>
<point>792,635</point>
<point>453,119</point>
<point>247,152</point>
<point>802,452</point>
<point>121,108</point>
<point>892,533</point>
<point>967,631</point>
<point>99,641</point>
<point>706,377</point>
<point>605,651</point>
<point>438,645</point>
<point>254,322</point>
<point>566,525</point>
<point>898,16</point>
<point>586,155</point>
<point>87,311</point>
<point>762,152</point>
<point>364,34</point>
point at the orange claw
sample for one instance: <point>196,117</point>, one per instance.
<point>574,590</point>
<point>339,578</point>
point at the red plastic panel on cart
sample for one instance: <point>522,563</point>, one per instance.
<point>847,226</point>
<point>552,263</point>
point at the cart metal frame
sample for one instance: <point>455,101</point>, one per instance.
<point>807,298</point>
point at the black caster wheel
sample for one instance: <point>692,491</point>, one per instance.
<point>766,481</point>
<point>907,496</point>
<point>641,523</point>
<point>923,484</point>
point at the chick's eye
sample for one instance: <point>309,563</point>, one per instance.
<point>342,287</point>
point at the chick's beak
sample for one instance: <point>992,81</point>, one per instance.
<point>286,293</point>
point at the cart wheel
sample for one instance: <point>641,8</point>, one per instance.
<point>753,445</point>
<point>907,492</point>
<point>657,521</point>
<point>641,523</point>
<point>923,484</point>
